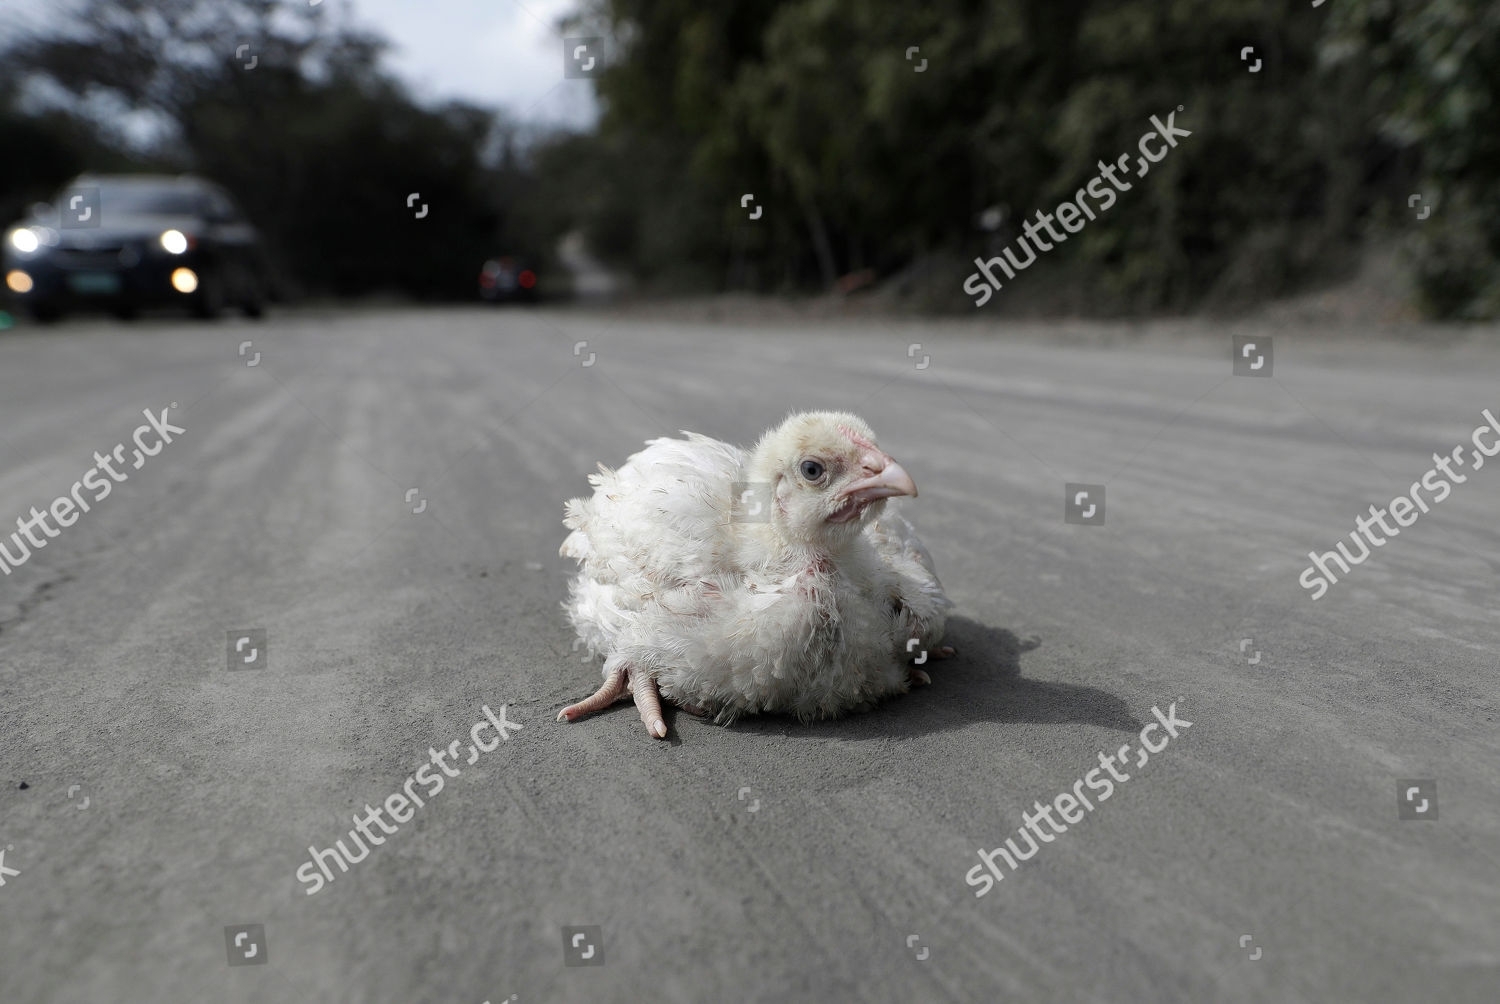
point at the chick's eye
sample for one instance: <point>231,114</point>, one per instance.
<point>812,470</point>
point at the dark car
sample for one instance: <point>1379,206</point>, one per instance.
<point>507,278</point>
<point>124,242</point>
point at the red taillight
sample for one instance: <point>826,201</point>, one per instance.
<point>527,278</point>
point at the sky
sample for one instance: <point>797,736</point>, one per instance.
<point>495,52</point>
<point>499,53</point>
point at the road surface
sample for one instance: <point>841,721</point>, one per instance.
<point>363,512</point>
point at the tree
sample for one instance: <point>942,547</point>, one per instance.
<point>294,116</point>
<point>875,135</point>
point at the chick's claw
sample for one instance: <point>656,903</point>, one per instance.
<point>612,691</point>
<point>917,677</point>
<point>648,703</point>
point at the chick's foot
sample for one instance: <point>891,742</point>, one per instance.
<point>622,681</point>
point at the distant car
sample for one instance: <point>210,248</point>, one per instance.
<point>124,242</point>
<point>507,278</point>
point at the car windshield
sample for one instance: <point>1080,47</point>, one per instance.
<point>150,199</point>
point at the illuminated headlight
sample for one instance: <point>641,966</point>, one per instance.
<point>184,280</point>
<point>174,241</point>
<point>18,281</point>
<point>24,240</point>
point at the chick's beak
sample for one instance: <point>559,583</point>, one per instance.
<point>884,479</point>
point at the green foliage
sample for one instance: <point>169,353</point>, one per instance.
<point>1435,78</point>
<point>863,161</point>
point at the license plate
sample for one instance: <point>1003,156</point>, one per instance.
<point>94,283</point>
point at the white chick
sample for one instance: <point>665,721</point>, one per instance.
<point>732,583</point>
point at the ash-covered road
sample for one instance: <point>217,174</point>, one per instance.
<point>373,509</point>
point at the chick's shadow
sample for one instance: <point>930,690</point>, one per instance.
<point>983,683</point>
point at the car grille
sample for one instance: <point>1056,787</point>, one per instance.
<point>104,256</point>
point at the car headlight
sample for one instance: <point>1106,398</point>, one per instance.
<point>24,240</point>
<point>174,241</point>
